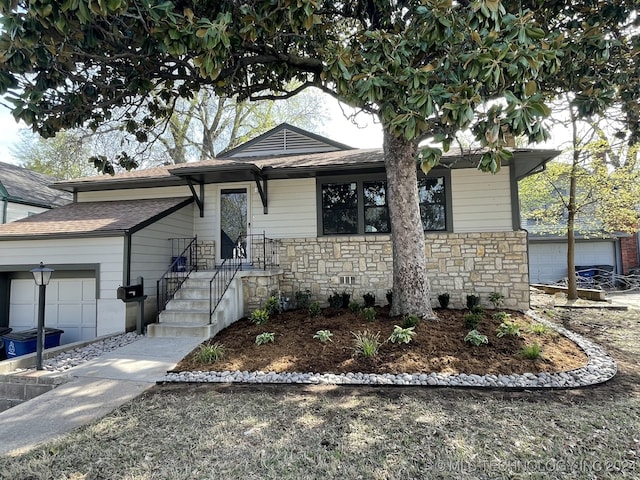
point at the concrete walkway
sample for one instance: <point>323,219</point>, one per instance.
<point>97,387</point>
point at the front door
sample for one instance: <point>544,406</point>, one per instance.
<point>233,223</point>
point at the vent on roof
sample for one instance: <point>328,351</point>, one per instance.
<point>284,142</point>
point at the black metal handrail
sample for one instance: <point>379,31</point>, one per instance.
<point>220,282</point>
<point>183,263</point>
<point>263,252</point>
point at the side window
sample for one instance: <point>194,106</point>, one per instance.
<point>431,192</point>
<point>339,208</point>
<point>376,213</point>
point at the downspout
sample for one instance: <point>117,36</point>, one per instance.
<point>5,208</point>
<point>127,258</point>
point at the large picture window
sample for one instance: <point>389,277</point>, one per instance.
<point>357,206</point>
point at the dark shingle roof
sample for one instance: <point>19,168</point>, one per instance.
<point>92,218</point>
<point>26,186</point>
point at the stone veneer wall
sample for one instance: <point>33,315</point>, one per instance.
<point>459,264</point>
<point>206,254</point>
<point>257,286</point>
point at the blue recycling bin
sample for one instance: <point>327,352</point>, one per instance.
<point>179,264</point>
<point>22,343</point>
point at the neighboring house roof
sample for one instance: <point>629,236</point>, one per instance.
<point>285,139</point>
<point>20,185</point>
<point>105,218</point>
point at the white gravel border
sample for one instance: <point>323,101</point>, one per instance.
<point>599,369</point>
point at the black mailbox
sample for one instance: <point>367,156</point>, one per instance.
<point>130,293</point>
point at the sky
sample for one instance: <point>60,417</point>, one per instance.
<point>362,132</point>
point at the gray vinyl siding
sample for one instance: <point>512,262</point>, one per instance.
<point>151,247</point>
<point>481,202</point>
<point>292,209</point>
<point>134,194</point>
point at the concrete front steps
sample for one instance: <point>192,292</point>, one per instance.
<point>187,314</point>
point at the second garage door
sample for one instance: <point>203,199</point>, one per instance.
<point>548,260</point>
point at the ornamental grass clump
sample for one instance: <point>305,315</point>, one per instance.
<point>366,343</point>
<point>207,354</point>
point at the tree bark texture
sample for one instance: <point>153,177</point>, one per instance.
<point>411,292</point>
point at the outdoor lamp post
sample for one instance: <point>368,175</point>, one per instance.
<point>41,275</point>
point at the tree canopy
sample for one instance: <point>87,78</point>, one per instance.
<point>427,68</point>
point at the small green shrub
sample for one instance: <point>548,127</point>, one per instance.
<point>472,301</point>
<point>207,354</point>
<point>314,309</point>
<point>389,296</point>
<point>443,300</point>
<point>335,300</point>
<point>471,319</point>
<point>501,316</point>
<point>354,307</point>
<point>369,300</point>
<point>410,321</point>
<point>532,351</point>
<point>266,337</point>
<point>259,316</point>
<point>323,335</point>
<point>477,309</point>
<point>366,343</point>
<point>272,306</point>
<point>346,299</point>
<point>303,298</point>
<point>401,335</point>
<point>476,338</point>
<point>369,314</point>
<point>508,329</point>
<point>539,328</point>
<point>497,299</point>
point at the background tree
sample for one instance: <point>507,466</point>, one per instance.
<point>593,191</point>
<point>426,68</point>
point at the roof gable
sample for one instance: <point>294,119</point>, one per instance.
<point>285,139</point>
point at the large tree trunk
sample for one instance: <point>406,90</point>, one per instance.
<point>410,283</point>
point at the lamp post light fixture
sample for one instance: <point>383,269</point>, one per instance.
<point>41,275</point>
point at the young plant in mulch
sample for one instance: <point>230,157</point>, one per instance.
<point>346,299</point>
<point>303,298</point>
<point>539,328</point>
<point>472,301</point>
<point>497,299</point>
<point>335,300</point>
<point>314,309</point>
<point>324,336</point>
<point>410,321</point>
<point>443,300</point>
<point>501,316</point>
<point>366,343</point>
<point>354,307</point>
<point>369,300</point>
<point>532,351</point>
<point>476,338</point>
<point>266,337</point>
<point>471,319</point>
<point>369,314</point>
<point>507,328</point>
<point>272,306</point>
<point>401,335</point>
<point>207,354</point>
<point>259,316</point>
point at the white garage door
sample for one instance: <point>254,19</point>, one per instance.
<point>548,261</point>
<point>70,306</point>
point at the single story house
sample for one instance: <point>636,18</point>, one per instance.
<point>319,205</point>
<point>24,192</point>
